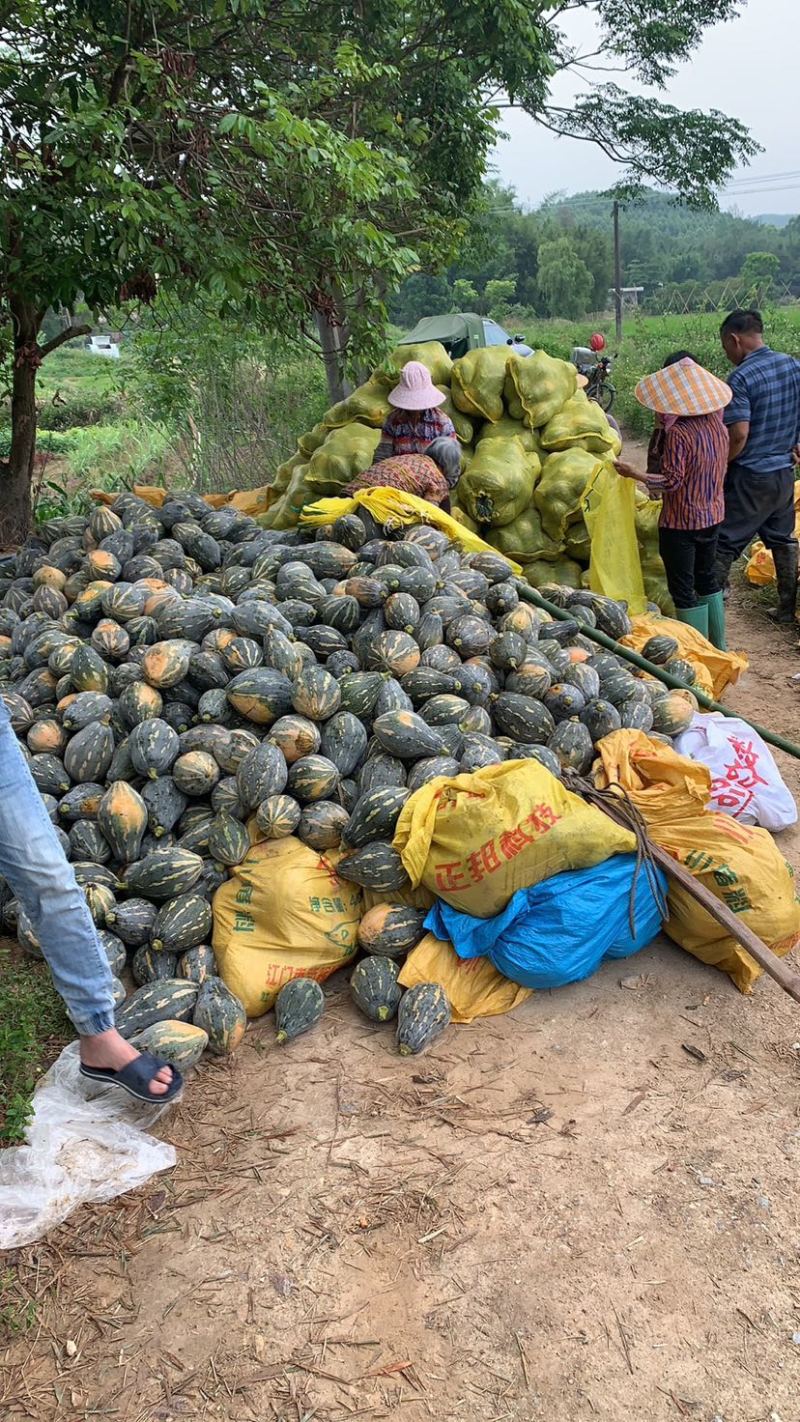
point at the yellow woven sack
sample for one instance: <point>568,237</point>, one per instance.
<point>513,429</point>
<point>286,510</point>
<point>464,427</point>
<point>537,386</point>
<point>309,442</point>
<point>284,472</point>
<point>284,913</point>
<point>580,423</point>
<point>524,539</point>
<point>475,839</point>
<point>394,509</point>
<point>473,985</point>
<point>432,354</point>
<point>561,487</point>
<point>739,864</point>
<point>367,403</point>
<point>609,510</point>
<point>499,482</point>
<point>722,668</point>
<point>564,572</point>
<point>347,451</point>
<point>577,543</point>
<point>477,382</point>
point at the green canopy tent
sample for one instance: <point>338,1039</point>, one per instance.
<point>458,332</point>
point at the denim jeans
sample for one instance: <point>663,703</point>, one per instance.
<point>36,870</point>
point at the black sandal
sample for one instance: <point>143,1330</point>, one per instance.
<point>135,1078</point>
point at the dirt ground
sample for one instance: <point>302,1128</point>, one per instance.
<point>587,1209</point>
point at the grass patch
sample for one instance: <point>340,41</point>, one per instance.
<point>33,1028</point>
<point>646,340</point>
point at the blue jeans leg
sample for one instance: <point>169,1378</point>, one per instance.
<point>35,867</point>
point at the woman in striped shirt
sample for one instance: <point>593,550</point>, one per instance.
<point>687,464</point>
<point>416,420</point>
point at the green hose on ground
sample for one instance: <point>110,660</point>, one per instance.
<point>529,594</point>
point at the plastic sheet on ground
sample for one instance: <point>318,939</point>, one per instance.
<point>561,930</point>
<point>86,1142</point>
<point>724,668</point>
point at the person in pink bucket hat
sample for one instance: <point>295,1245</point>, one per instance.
<point>416,420</point>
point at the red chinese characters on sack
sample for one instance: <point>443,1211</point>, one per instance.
<point>734,790</point>
<point>491,856</point>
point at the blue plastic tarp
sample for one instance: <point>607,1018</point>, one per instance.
<point>562,929</point>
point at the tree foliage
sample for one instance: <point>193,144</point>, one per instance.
<point>293,159</point>
<point>565,282</point>
<point>685,258</point>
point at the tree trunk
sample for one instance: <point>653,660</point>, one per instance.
<point>16,473</point>
<point>330,330</point>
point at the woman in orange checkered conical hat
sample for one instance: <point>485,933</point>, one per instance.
<point>686,466</point>
<point>683,389</point>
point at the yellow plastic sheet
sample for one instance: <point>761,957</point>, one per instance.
<point>475,839</point>
<point>609,509</point>
<point>740,865</point>
<point>473,985</point>
<point>396,509</point>
<point>723,668</point>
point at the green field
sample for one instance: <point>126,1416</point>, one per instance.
<point>215,408</point>
<point>648,339</point>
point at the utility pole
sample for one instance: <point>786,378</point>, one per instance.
<point>617,274</point>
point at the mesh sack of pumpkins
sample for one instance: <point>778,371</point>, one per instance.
<point>531,445</point>
<point>184,683</point>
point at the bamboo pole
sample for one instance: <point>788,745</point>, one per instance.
<point>774,966</point>
<point>529,594</point>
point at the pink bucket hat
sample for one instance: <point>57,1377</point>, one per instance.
<point>415,390</point>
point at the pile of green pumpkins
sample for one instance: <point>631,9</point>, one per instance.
<point>181,680</point>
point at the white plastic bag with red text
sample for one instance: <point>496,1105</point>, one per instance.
<point>745,781</point>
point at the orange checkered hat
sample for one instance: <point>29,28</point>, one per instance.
<point>684,388</point>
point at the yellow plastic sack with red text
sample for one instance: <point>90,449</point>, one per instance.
<point>475,839</point>
<point>739,864</point>
<point>284,913</point>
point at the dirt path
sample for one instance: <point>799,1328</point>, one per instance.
<point>562,1214</point>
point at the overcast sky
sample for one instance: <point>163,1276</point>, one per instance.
<point>745,68</point>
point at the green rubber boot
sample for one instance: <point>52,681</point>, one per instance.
<point>715,603</point>
<point>696,617</point>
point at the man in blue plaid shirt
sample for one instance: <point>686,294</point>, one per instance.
<point>763,422</point>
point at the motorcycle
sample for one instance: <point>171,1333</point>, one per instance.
<point>596,367</point>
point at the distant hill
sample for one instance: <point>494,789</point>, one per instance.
<point>775,219</point>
